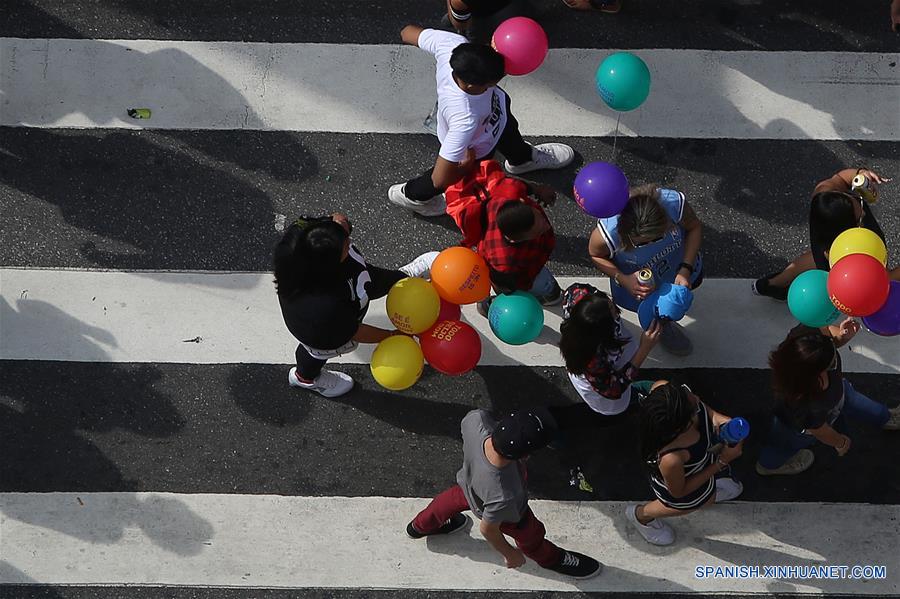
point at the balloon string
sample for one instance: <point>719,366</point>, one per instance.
<point>616,137</point>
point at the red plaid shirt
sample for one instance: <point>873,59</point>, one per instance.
<point>514,265</point>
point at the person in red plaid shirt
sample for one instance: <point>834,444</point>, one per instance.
<point>516,244</point>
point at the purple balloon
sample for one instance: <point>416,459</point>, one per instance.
<point>601,189</point>
<point>886,321</point>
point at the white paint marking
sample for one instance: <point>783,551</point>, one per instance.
<point>338,542</point>
<point>389,89</point>
<point>150,316</point>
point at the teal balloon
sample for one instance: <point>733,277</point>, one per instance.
<point>623,81</point>
<point>808,299</point>
<point>516,318</point>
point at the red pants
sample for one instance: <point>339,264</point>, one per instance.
<point>528,532</point>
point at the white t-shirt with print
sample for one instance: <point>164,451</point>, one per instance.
<point>464,120</point>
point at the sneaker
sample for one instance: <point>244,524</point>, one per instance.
<point>421,266</point>
<point>554,298</point>
<point>893,423</point>
<point>577,565</point>
<point>329,383</point>
<point>796,464</point>
<point>436,206</point>
<point>763,287</point>
<point>674,340</point>
<point>655,533</point>
<point>544,156</point>
<point>727,489</point>
<point>430,122</point>
<point>455,523</point>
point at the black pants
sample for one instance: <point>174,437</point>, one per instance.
<point>309,367</point>
<point>482,25</point>
<point>510,144</point>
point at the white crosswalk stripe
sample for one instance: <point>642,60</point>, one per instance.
<point>198,318</point>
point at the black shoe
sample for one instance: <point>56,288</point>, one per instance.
<point>763,287</point>
<point>577,565</point>
<point>455,523</point>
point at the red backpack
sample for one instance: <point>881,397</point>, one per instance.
<point>467,199</point>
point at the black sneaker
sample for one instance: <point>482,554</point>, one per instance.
<point>763,287</point>
<point>577,565</point>
<point>455,523</point>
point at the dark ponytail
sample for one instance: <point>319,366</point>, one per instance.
<point>664,415</point>
<point>590,327</point>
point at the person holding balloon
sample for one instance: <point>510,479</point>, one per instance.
<point>324,285</point>
<point>657,230</point>
<point>814,400</point>
<point>835,208</point>
<point>602,358</point>
<point>474,118</point>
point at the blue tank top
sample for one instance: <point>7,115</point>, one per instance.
<point>662,257</point>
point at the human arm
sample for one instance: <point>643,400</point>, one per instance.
<point>693,228</point>
<point>410,35</point>
<point>600,256</point>
<point>895,16</point>
<point>447,172</point>
<point>459,14</point>
<point>494,536</point>
<point>827,435</point>
<point>649,339</point>
<point>842,333</point>
<point>671,466</point>
<point>841,180</point>
<point>366,333</point>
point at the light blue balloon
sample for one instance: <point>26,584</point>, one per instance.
<point>623,81</point>
<point>516,318</point>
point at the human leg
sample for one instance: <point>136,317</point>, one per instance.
<point>777,284</point>
<point>310,374</point>
<point>530,536</point>
<point>782,444</point>
<point>441,509</point>
<point>546,288</point>
<point>861,408</point>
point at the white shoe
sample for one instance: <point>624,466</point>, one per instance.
<point>655,533</point>
<point>544,156</point>
<point>436,206</point>
<point>329,383</point>
<point>727,489</point>
<point>421,266</point>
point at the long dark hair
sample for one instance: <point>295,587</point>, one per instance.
<point>590,327</point>
<point>308,256</point>
<point>797,363</point>
<point>643,216</point>
<point>664,415</point>
<point>830,214</point>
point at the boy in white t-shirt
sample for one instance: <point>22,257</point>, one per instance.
<point>474,121</point>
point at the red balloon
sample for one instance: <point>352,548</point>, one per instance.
<point>858,285</point>
<point>451,346</point>
<point>449,311</point>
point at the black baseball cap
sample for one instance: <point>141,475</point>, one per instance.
<point>523,432</point>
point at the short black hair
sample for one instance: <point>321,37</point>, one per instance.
<point>477,64</point>
<point>515,218</point>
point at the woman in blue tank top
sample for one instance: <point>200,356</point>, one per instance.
<point>657,230</point>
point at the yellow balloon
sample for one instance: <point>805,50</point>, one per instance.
<point>857,240</point>
<point>413,305</point>
<point>397,363</point>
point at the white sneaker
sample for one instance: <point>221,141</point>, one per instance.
<point>329,383</point>
<point>436,206</point>
<point>655,533</point>
<point>544,156</point>
<point>727,489</point>
<point>421,266</point>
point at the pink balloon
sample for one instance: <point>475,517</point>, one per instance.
<point>523,44</point>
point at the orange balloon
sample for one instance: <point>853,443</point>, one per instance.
<point>461,276</point>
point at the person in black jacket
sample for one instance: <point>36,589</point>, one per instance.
<point>324,285</point>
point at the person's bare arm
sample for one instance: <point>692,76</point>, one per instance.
<point>827,435</point>
<point>366,333</point>
<point>446,172</point>
<point>410,34</point>
<point>841,180</point>
<point>600,256</point>
<point>493,535</point>
<point>459,14</point>
<point>693,228</point>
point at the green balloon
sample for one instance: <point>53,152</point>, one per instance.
<point>808,299</point>
<point>623,81</point>
<point>516,318</point>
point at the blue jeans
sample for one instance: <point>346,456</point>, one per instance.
<point>783,442</point>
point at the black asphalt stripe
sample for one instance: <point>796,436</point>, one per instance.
<point>134,592</point>
<point>113,198</point>
<point>240,429</point>
<point>809,25</point>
